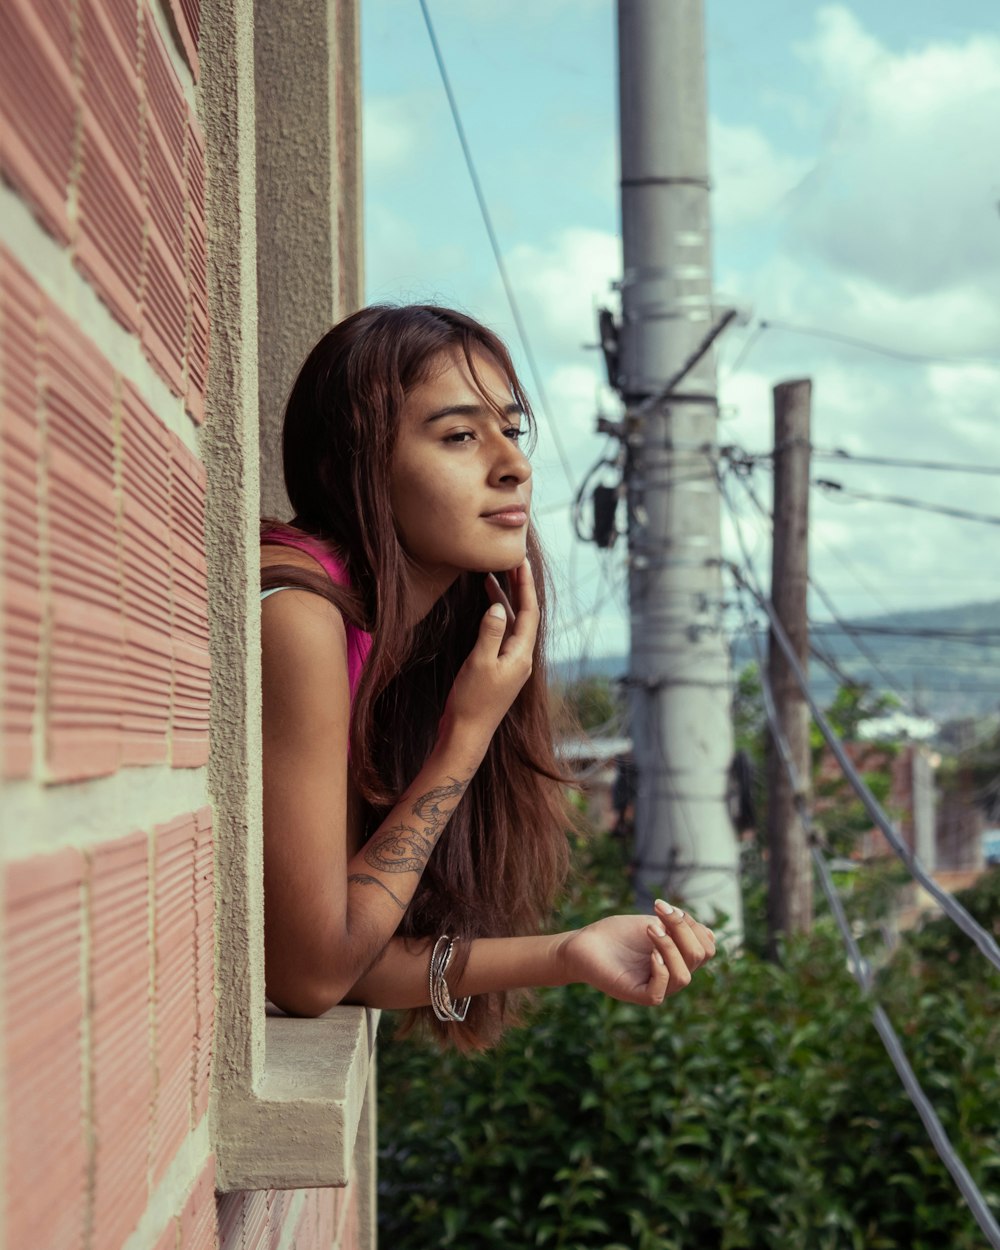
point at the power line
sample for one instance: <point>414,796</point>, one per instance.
<point>976,638</point>
<point>900,462</point>
<point>880,349</point>
<point>962,514</point>
<point>948,903</point>
<point>861,972</point>
<point>861,647</point>
<point>495,245</point>
<point>748,345</point>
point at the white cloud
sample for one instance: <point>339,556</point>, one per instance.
<point>905,191</point>
<point>750,177</point>
<point>560,281</point>
<point>841,48</point>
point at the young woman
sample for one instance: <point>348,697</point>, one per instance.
<point>414,824</point>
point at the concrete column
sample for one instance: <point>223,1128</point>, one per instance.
<point>307,78</point>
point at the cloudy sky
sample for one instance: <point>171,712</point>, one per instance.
<point>857,192</point>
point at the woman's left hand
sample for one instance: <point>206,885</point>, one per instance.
<point>638,959</point>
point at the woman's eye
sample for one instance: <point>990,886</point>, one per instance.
<point>515,432</point>
<point>459,436</point>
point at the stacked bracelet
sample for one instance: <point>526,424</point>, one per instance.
<point>444,1008</point>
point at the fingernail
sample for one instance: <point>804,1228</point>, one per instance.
<point>658,958</point>
<point>663,906</point>
<point>680,914</point>
<point>658,930</point>
<point>499,611</point>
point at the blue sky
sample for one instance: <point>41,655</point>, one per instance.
<point>854,160</point>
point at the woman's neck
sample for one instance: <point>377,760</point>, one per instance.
<point>425,586</point>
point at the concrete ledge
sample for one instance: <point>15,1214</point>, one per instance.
<point>298,1127</point>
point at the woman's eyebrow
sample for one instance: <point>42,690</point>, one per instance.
<point>473,410</point>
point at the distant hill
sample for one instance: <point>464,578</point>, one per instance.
<point>944,662</point>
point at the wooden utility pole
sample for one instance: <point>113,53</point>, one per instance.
<point>790,896</point>
<point>678,670</point>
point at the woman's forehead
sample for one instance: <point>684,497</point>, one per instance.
<point>450,382</point>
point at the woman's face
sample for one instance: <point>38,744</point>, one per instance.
<point>459,483</point>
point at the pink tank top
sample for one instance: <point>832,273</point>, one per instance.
<point>358,642</point>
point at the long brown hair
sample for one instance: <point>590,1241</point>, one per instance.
<point>503,856</point>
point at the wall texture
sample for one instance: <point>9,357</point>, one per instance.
<point>111,893</point>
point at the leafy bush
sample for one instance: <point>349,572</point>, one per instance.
<point>755,1110</point>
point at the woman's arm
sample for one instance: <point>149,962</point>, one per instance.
<point>328,917</point>
<point>635,958</point>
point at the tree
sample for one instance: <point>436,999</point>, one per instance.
<point>589,703</point>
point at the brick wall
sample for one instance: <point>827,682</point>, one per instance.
<point>109,914</point>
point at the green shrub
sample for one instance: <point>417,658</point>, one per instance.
<point>755,1110</point>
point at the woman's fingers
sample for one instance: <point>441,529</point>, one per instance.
<point>677,969</point>
<point>526,624</point>
<point>492,631</point>
<point>695,942</point>
<point>659,978</point>
<point>496,594</point>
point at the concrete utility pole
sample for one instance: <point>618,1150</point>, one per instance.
<point>679,670</point>
<point>790,892</point>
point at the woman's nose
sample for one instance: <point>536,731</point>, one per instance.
<point>511,464</point>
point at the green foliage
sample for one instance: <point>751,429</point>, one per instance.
<point>755,1111</point>
<point>592,702</point>
<point>943,951</point>
<point>749,718</point>
<point>852,705</point>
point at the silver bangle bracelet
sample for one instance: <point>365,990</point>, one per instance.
<point>441,1001</point>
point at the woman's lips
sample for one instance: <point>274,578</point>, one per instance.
<point>510,516</point>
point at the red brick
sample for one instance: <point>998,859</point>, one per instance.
<point>350,1237</point>
<point>148,658</point>
<point>174,996</point>
<point>204,899</point>
<point>198,1220</point>
<point>20,310</point>
<point>187,23</point>
<point>122,1071</point>
<point>170,1237</point>
<point>328,1203</point>
<point>38,102</point>
<point>198,323</point>
<point>43,914</point>
<point>190,603</point>
<point>164,282</point>
<point>255,1211</point>
<point>110,195</point>
<point>229,1220</point>
<point>84,729</point>
<point>277,1200</point>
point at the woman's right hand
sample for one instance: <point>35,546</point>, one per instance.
<point>637,959</point>
<point>499,664</point>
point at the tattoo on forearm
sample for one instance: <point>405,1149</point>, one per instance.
<point>405,848</point>
<point>362,878</point>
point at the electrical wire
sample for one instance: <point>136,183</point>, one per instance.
<point>839,490</point>
<point>880,349</point>
<point>748,345</point>
<point>974,638</point>
<point>863,649</point>
<point>861,971</point>
<point>898,462</point>
<point>477,187</point>
<point>984,941</point>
